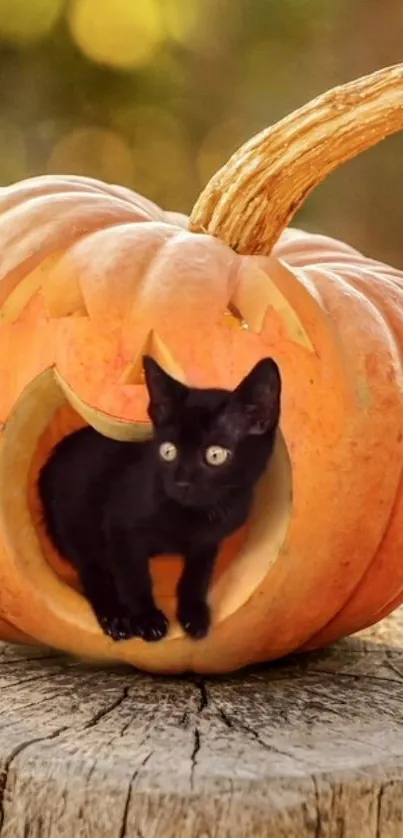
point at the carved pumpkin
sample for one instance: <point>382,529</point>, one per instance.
<point>93,275</point>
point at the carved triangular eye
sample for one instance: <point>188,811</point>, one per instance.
<point>255,293</point>
<point>62,298</point>
<point>154,346</point>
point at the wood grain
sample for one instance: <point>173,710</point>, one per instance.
<point>309,748</point>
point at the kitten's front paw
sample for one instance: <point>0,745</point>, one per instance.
<point>118,628</point>
<point>194,617</point>
<point>150,625</point>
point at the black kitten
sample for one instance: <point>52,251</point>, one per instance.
<point>109,506</point>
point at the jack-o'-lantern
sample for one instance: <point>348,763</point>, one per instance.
<point>94,276</point>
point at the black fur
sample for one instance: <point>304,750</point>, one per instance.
<point>109,506</point>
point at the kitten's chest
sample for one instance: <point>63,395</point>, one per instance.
<point>174,529</point>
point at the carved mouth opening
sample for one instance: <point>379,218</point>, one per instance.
<point>43,414</point>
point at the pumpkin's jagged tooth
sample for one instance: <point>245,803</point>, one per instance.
<point>133,372</point>
<point>154,346</point>
<point>61,292</point>
<point>20,297</point>
<point>34,306</point>
<point>105,423</point>
<point>255,294</point>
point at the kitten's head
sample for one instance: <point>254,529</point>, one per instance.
<point>210,442</point>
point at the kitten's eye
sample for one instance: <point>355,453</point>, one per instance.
<point>168,451</point>
<point>216,455</point>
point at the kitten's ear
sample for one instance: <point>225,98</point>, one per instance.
<point>255,403</point>
<point>166,393</point>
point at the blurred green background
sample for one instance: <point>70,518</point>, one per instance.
<point>156,94</point>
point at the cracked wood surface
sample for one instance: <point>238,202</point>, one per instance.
<point>307,748</point>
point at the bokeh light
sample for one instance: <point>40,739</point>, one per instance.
<point>13,155</point>
<point>121,33</point>
<point>182,19</point>
<point>94,152</point>
<point>207,26</point>
<point>157,94</point>
<point>162,154</point>
<point>218,146</point>
<point>26,21</point>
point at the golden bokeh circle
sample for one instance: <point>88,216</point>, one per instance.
<point>94,152</point>
<point>120,33</point>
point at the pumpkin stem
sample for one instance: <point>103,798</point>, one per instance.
<point>253,197</point>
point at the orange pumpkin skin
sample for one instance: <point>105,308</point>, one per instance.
<point>92,276</point>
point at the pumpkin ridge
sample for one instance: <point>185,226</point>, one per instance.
<point>67,201</point>
<point>28,190</point>
<point>75,234</point>
<point>373,291</point>
<point>90,241</point>
<point>22,191</point>
<point>157,236</point>
<point>14,276</point>
<point>369,290</point>
<point>332,630</point>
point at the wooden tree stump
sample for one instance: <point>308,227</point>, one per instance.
<point>312,747</point>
